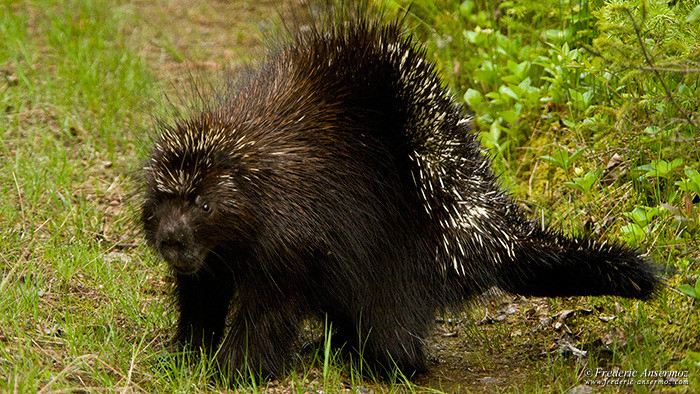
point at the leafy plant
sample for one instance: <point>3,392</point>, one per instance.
<point>660,168</point>
<point>585,183</point>
<point>562,159</point>
<point>692,291</point>
<point>691,183</point>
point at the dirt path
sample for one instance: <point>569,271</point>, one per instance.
<point>179,37</point>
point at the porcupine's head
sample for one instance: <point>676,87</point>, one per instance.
<point>193,203</point>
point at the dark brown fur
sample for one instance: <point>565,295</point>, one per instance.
<point>341,181</point>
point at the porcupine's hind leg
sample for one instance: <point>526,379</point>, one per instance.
<point>386,342</point>
<point>389,327</point>
<point>380,321</point>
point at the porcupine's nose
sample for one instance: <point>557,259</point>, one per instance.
<point>172,240</point>
<point>172,243</point>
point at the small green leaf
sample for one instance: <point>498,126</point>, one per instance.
<point>588,180</point>
<point>638,216</point>
<point>652,130</point>
<point>643,216</point>
<point>575,95</point>
<point>560,158</point>
<point>509,116</point>
<point>694,175</point>
<point>587,97</point>
<point>508,91</point>
<point>648,168</point>
<point>495,131</point>
<point>688,290</point>
<point>577,154</point>
<point>470,35</point>
<point>493,95</point>
<point>549,159</point>
<point>694,14</point>
<point>694,357</point>
<point>520,70</point>
<point>569,123</point>
<point>466,8</point>
<point>675,164</point>
<point>574,185</point>
<point>554,34</point>
<point>633,233</point>
<point>473,98</point>
<point>692,183</point>
<point>660,168</point>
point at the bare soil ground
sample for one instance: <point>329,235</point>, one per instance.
<point>181,37</point>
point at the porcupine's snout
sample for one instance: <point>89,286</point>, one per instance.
<point>175,242</point>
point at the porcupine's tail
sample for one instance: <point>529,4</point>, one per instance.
<point>546,263</point>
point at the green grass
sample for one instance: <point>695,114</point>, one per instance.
<point>83,303</point>
<point>73,99</point>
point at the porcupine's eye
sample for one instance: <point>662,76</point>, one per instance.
<point>203,205</point>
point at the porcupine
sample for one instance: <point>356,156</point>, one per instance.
<point>341,181</point>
